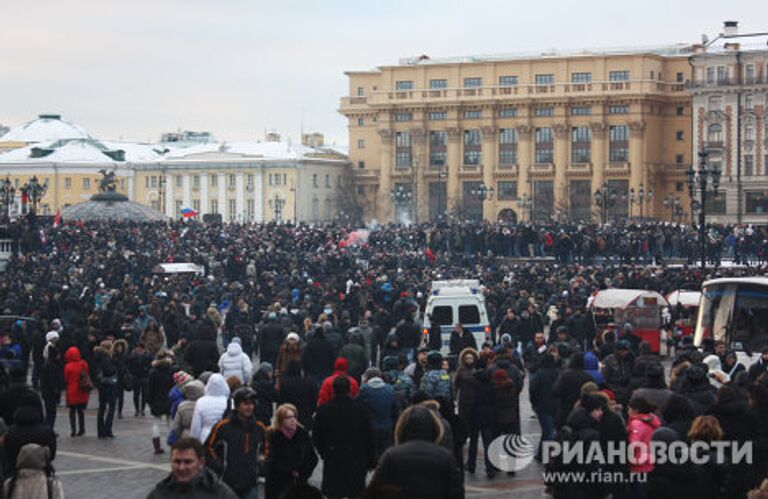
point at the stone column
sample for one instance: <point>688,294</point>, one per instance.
<point>384,210</point>
<point>524,161</point>
<point>222,195</point>
<point>560,187</point>
<point>131,186</point>
<point>186,191</point>
<point>636,154</point>
<point>489,159</point>
<point>258,195</point>
<point>452,168</point>
<point>598,162</point>
<point>421,187</point>
<point>240,197</point>
<point>169,201</point>
<point>204,202</point>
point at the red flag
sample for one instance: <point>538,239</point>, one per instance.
<point>430,255</point>
<point>57,219</point>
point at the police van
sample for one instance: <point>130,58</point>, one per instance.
<point>457,301</point>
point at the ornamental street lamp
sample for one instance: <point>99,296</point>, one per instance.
<point>34,191</point>
<point>526,205</point>
<point>7,195</point>
<point>640,199</point>
<point>675,206</point>
<point>700,179</point>
<point>482,193</point>
<point>277,204</point>
<point>605,198</point>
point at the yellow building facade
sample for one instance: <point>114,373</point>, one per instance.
<point>521,138</point>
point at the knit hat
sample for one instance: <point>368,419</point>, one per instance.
<point>181,377</point>
<point>51,336</point>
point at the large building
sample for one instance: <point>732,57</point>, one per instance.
<point>545,133</point>
<point>241,181</point>
<point>730,98</point>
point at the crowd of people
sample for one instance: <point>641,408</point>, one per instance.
<point>301,344</point>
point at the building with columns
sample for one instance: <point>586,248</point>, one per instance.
<point>730,102</point>
<point>522,137</point>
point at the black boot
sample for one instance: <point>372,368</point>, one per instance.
<point>157,446</point>
<point>81,423</point>
<point>72,423</point>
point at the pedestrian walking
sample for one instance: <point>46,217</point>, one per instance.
<point>292,457</point>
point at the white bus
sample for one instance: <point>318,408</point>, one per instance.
<point>735,311</point>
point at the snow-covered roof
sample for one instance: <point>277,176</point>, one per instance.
<point>46,128</point>
<point>81,151</point>
<point>136,152</point>
<point>247,150</point>
<point>621,298</point>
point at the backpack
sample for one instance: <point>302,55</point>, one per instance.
<point>84,381</point>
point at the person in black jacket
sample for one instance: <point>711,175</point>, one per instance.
<point>343,437</point>
<point>568,385</point>
<point>461,338</point>
<point>52,384</point>
<point>139,364</point>
<point>160,383</point>
<point>317,358</point>
<point>271,337</point>
<point>28,428</point>
<point>417,432</point>
<point>543,401</point>
<point>105,379</point>
<point>292,457</point>
<point>237,445</point>
<point>202,354</point>
<point>483,418</point>
<point>300,392</point>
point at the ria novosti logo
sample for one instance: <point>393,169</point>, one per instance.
<point>510,452</point>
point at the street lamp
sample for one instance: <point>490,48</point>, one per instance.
<point>441,176</point>
<point>34,191</point>
<point>675,206</point>
<point>640,199</point>
<point>526,205</point>
<point>605,198</point>
<point>7,195</point>
<point>277,203</point>
<point>482,193</point>
<point>700,179</point>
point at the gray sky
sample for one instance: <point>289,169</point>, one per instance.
<point>135,69</point>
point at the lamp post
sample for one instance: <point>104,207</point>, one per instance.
<point>277,203</point>
<point>605,198</point>
<point>7,195</point>
<point>675,206</point>
<point>34,191</point>
<point>401,196</point>
<point>701,179</point>
<point>525,204</point>
<point>640,199</point>
<point>441,175</point>
<point>482,193</point>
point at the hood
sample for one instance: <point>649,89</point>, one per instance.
<point>33,457</point>
<point>468,351</point>
<point>649,419</point>
<point>72,355</point>
<point>376,383</point>
<point>217,386</point>
<point>122,343</point>
<point>234,349</point>
<point>193,390</point>
<point>341,365</point>
<point>590,362</point>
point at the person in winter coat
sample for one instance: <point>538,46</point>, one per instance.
<point>271,337</point>
<point>465,384</point>
<point>176,395</point>
<point>153,337</point>
<point>34,475</point>
<point>678,416</point>
<point>383,408</point>
<point>675,478</point>
<point>160,383</point>
<point>392,348</point>
<point>436,382</point>
<point>483,418</point>
<point>120,358</point>
<point>317,358</point>
<point>290,351</point>
<point>298,391</point>
<point>642,423</point>
<point>617,369</point>
<point>77,397</point>
<point>209,408</point>
<point>343,437</point>
<point>27,428</point>
<point>700,393</point>
<point>182,421</point>
<point>544,403</point>
<point>461,338</point>
<point>139,364</point>
<point>534,352</point>
<point>395,376</point>
<point>106,381</point>
<point>568,385</point>
<point>592,367</point>
<point>760,367</point>
<point>51,384</point>
<point>354,352</point>
<point>266,394</point>
<point>234,362</point>
<point>417,432</point>
<point>507,403</point>
<point>202,354</point>
<point>653,388</point>
<point>326,389</point>
<point>292,457</point>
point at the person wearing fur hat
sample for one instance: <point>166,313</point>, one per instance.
<point>160,383</point>
<point>290,351</point>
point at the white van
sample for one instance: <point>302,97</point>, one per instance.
<point>457,301</point>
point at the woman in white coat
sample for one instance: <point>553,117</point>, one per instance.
<point>209,409</point>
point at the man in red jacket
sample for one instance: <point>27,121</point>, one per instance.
<point>326,390</point>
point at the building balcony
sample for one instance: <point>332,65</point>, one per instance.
<point>542,169</point>
<point>580,168</point>
<point>715,144</point>
<point>726,82</point>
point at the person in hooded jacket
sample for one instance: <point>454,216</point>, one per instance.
<point>544,403</point>
<point>271,337</point>
<point>326,389</point>
<point>234,362</point>
<point>678,416</point>
<point>290,351</point>
<point>298,391</point>
<point>507,403</point>
<point>483,418</point>
<point>653,388</point>
<point>354,352</point>
<point>77,398</point>
<point>34,476</point>
<point>379,398</point>
<point>182,420</point>
<point>28,428</point>
<point>209,409</point>
<point>317,358</point>
<point>160,383</point>
<point>760,367</point>
<point>51,384</point>
<point>465,385</point>
<point>201,353</point>
<point>139,364</point>
<point>266,394</point>
<point>697,389</point>
<point>568,385</point>
<point>642,423</point>
<point>592,367</point>
<point>392,348</point>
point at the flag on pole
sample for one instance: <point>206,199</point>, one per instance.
<point>57,219</point>
<point>188,213</point>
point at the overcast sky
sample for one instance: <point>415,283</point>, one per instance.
<point>134,69</point>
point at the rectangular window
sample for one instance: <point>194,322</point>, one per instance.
<point>178,208</point>
<point>623,109</point>
<point>757,202</point>
<point>679,159</point>
<point>314,180</point>
<point>544,79</point>
<point>541,111</point>
<point>581,110</point>
<point>748,102</point>
<point>438,84</point>
<point>360,91</point>
<point>361,190</point>
<point>680,77</point>
<point>749,73</point>
<point>270,179</point>
<point>472,147</point>
<point>679,135</point>
<point>622,75</point>
<point>146,182</point>
<point>178,180</point>
<point>715,102</point>
<point>214,205</point>
<point>680,111</point>
<point>360,121</point>
<point>716,203</point>
<point>361,164</point>
<point>749,132</point>
<point>196,181</point>
<point>232,209</point>
<point>196,205</point>
<point>543,200</point>
<point>327,181</point>
<point>618,145</point>
<point>710,75</point>
<point>581,144</point>
<point>473,114</point>
<point>749,165</point>
<point>231,181</point>
<point>404,85</point>
<point>722,74</point>
<point>251,209</point>
<point>544,140</point>
<point>153,181</point>
<point>581,77</point>
<point>437,148</point>
<point>403,116</point>
<point>403,154</point>
<point>214,180</point>
<point>361,143</point>
<point>250,180</point>
<point>68,183</point>
<point>86,184</point>
<point>507,146</point>
<point>507,190</point>
<point>469,314</point>
<point>442,315</point>
<point>507,81</point>
<point>473,82</point>
<point>437,115</point>
<point>508,112</point>
<point>580,200</point>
